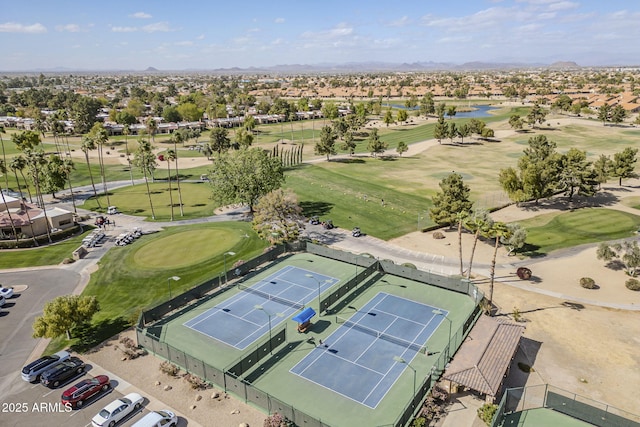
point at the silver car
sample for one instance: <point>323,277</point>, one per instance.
<point>32,371</point>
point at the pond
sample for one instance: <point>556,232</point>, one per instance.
<point>479,111</point>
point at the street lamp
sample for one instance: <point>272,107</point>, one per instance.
<point>401,360</point>
<point>319,289</point>
<point>224,260</point>
<point>259,307</point>
<point>174,278</point>
<point>443,314</point>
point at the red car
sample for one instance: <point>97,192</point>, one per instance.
<point>83,390</point>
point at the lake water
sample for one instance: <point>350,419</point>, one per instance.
<point>480,111</point>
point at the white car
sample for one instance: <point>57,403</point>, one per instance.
<point>6,292</point>
<point>2,300</point>
<point>117,410</point>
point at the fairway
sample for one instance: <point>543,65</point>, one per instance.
<point>193,247</point>
<point>590,225</point>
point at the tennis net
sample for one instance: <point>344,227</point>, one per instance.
<point>271,297</point>
<point>390,338</point>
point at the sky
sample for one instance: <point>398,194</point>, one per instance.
<point>204,35</point>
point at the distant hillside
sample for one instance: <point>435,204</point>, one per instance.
<point>564,64</point>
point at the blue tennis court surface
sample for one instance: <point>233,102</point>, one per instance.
<point>238,323</point>
<point>357,360</point>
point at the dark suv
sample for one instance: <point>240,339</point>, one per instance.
<point>76,395</point>
<point>61,372</point>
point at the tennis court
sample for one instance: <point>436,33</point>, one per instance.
<point>366,355</point>
<point>242,319</point>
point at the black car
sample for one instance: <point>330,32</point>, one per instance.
<point>61,372</point>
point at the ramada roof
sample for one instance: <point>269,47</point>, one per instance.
<point>484,357</point>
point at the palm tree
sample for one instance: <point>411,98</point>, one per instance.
<point>99,134</point>
<point>177,137</point>
<point>497,230</point>
<point>35,161</point>
<point>169,157</point>
<point>68,167</point>
<point>152,128</point>
<point>126,131</point>
<point>478,223</point>
<point>3,170</point>
<point>19,163</point>
<point>89,144</point>
<point>460,217</point>
<point>4,156</point>
<point>145,160</point>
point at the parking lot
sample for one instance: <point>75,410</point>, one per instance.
<point>37,405</point>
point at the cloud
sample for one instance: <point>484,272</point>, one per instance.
<point>162,27</point>
<point>140,15</point>
<point>200,37</point>
<point>14,27</point>
<point>71,28</point>
<point>124,29</point>
<point>184,43</point>
<point>340,30</point>
<point>279,20</point>
<point>401,22</point>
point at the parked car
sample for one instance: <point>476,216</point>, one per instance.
<point>61,372</point>
<point>85,389</point>
<point>32,371</point>
<point>6,292</point>
<point>164,418</point>
<point>117,410</point>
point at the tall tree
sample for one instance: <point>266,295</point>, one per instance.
<point>152,128</point>
<point>178,137</point>
<point>244,176</point>
<point>278,217</point>
<point>402,116</point>
<point>427,105</point>
<point>515,121</point>
<point>441,130</point>
<point>536,115</point>
<point>576,174</point>
<point>401,148</point>
<point>144,160</point>
<point>18,163</point>
<point>4,156</point>
<point>618,114</point>
<point>388,117</point>
<point>478,222</point>
<point>87,145</point>
<point>624,164</point>
<point>451,200</point>
<point>64,313</point>
<point>126,131</point>
<point>604,113</point>
<point>100,136</point>
<point>451,111</point>
<point>326,145</point>
<point>498,231</point>
<point>220,141</point>
<point>3,170</point>
<point>375,145</point>
<point>602,168</point>
<point>169,157</point>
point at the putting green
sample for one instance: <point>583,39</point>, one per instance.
<point>186,248</point>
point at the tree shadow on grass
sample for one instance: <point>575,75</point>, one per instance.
<point>532,251</point>
<point>348,160</point>
<point>90,335</point>
<point>316,208</point>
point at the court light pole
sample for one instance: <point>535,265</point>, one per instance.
<point>174,278</point>
<point>224,260</point>
<point>319,290</point>
<point>401,360</point>
<point>443,314</point>
<point>261,308</point>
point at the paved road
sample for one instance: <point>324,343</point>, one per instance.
<point>35,288</point>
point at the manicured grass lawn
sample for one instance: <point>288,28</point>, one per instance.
<point>124,284</point>
<point>47,255</point>
<point>351,196</point>
<point>133,200</point>
<point>547,233</point>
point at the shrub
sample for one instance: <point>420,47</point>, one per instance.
<point>517,316</point>
<point>277,420</point>
<point>438,235</point>
<point>409,265</point>
<point>523,273</point>
<point>588,283</point>
<point>633,284</point>
<point>486,412</point>
<point>169,368</point>
<point>195,381</point>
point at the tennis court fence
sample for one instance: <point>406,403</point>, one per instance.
<point>522,399</point>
